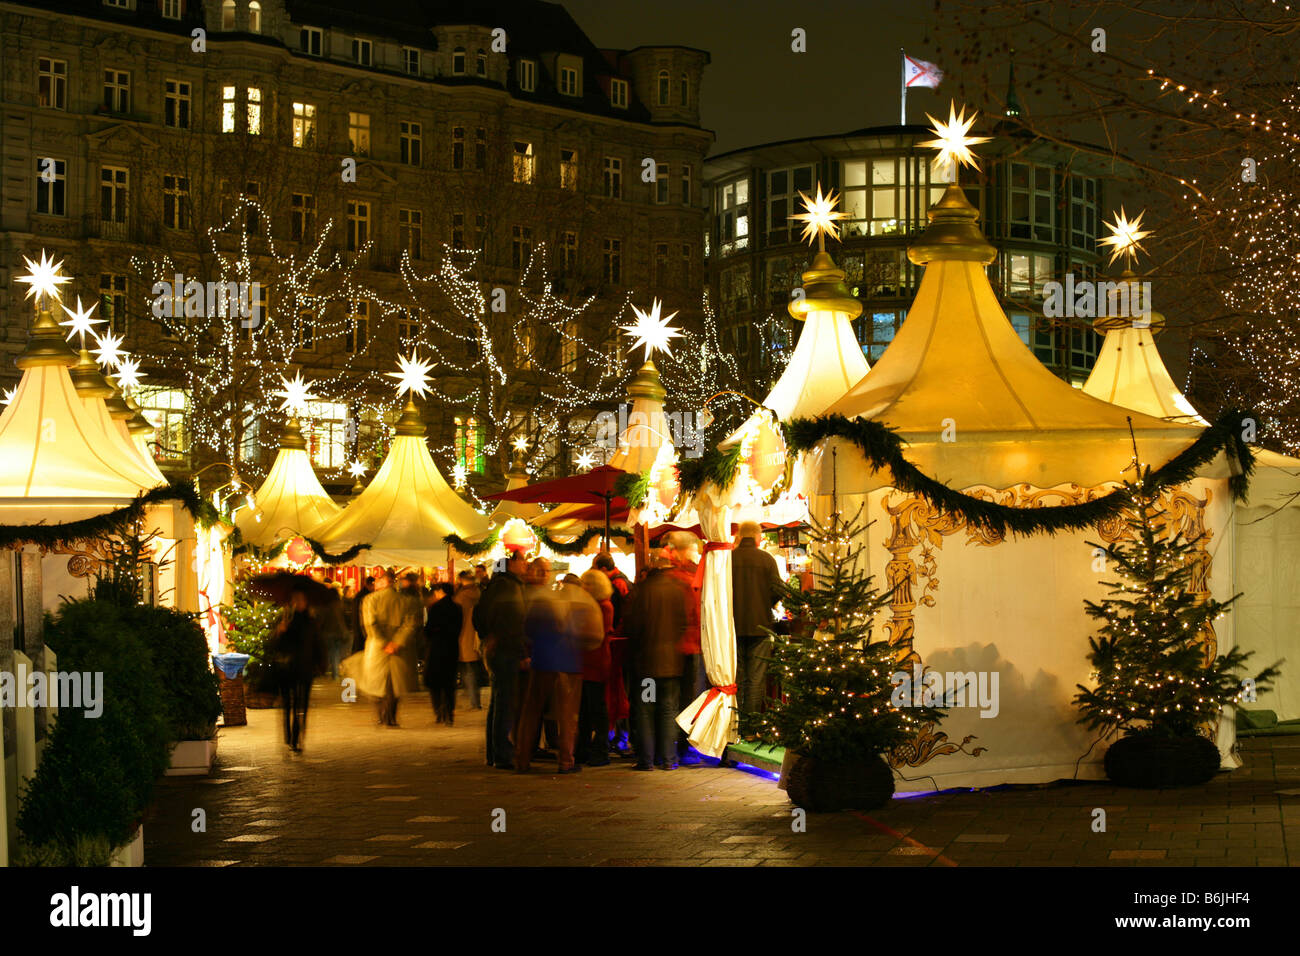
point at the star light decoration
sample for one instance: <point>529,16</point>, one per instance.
<point>296,394</point>
<point>128,374</point>
<point>953,139</point>
<point>9,395</point>
<point>459,474</point>
<point>520,443</point>
<point>110,351</point>
<point>652,330</point>
<point>357,470</point>
<point>1125,236</point>
<point>586,460</point>
<point>412,375</point>
<point>819,217</point>
<point>80,321</point>
<point>44,278</point>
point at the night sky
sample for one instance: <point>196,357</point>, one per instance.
<point>755,89</point>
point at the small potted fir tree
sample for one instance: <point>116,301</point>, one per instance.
<point>1156,694</point>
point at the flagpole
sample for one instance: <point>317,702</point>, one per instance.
<point>902,82</point>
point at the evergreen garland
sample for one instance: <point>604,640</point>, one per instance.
<point>579,544</point>
<point>343,557</point>
<point>883,449</point>
<point>714,466</point>
<point>476,549</point>
<point>633,487</point>
<point>255,553</point>
<point>52,536</point>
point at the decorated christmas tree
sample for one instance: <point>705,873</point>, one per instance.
<point>1151,669</point>
<point>838,700</point>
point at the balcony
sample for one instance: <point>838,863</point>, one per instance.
<point>130,231</point>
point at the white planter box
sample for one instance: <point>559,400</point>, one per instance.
<point>133,853</point>
<point>192,758</point>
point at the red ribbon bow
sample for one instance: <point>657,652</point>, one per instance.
<point>698,583</point>
<point>714,692</point>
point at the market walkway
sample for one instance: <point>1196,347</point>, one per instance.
<point>422,796</point>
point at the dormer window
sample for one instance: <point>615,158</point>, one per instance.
<point>618,93</point>
<point>310,40</point>
<point>458,61</point>
<point>254,17</point>
<point>361,52</point>
<point>568,81</point>
<point>527,75</point>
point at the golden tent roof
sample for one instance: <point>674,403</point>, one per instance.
<point>406,510</point>
<point>970,399</point>
<point>95,390</point>
<point>291,500</point>
<point>56,456</point>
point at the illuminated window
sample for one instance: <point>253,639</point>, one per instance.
<point>165,410</point>
<point>326,431</point>
<point>524,162</point>
<point>469,445</point>
<point>227,14</point>
<point>359,133</point>
<point>568,169</point>
<point>731,215</point>
<point>254,110</point>
<point>304,125</point>
<point>254,17</point>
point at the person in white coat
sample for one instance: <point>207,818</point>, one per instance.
<point>393,619</point>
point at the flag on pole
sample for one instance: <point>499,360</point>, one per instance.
<point>919,73</point>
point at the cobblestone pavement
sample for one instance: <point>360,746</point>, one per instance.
<point>422,795</point>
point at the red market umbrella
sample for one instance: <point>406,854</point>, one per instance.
<point>277,586</point>
<point>595,487</point>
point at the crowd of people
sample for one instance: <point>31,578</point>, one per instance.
<point>580,668</point>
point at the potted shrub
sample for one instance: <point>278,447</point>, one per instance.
<point>1156,694</point>
<point>250,623</point>
<point>837,714</point>
<point>96,775</point>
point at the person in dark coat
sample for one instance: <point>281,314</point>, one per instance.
<point>297,655</point>
<point>358,630</point>
<point>654,624</point>
<point>756,587</point>
<point>499,619</point>
<point>442,638</point>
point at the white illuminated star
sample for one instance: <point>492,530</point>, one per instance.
<point>585,460</point>
<point>520,443</point>
<point>819,217</point>
<point>413,376</point>
<point>128,374</point>
<point>652,330</point>
<point>357,470</point>
<point>9,394</point>
<point>458,475</point>
<point>1125,236</point>
<point>44,277</point>
<point>110,350</point>
<point>952,138</point>
<point>295,394</point>
<point>79,321</point>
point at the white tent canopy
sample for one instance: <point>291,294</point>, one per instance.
<point>290,500</point>
<point>407,509</point>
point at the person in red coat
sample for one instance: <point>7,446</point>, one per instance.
<point>593,714</point>
<point>616,693</point>
<point>682,549</point>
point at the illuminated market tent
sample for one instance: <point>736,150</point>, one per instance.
<point>827,361</point>
<point>62,459</point>
<point>979,414</point>
<point>290,501</point>
<point>408,508</point>
<point>1130,372</point>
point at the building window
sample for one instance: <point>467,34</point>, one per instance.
<point>527,75</point>
<point>1084,345</point>
<point>614,261</point>
<point>663,87</point>
<point>411,60</point>
<point>52,83</point>
<point>883,272</point>
<point>171,9</point>
<point>1031,202</point>
<point>618,93</point>
<point>112,301</point>
<point>358,224</point>
<point>569,252</point>
<point>359,133</point>
<point>874,196</point>
<point>458,147</point>
<point>327,433</point>
<point>731,216</point>
<point>521,247</point>
<point>227,109</point>
<point>663,178</point>
<point>684,91</point>
<point>458,230</point>
<point>469,445</point>
<point>568,81</point>
<point>458,61</point>
<point>309,40</point>
<point>112,195</point>
<point>227,14</point>
<point>409,143</point>
<point>570,336</point>
<point>51,186</point>
<point>480,63</point>
<point>117,91</point>
<point>688,258</point>
<point>304,125</point>
<point>307,332</point>
<point>568,169</point>
<point>410,227</point>
<point>523,162</point>
<point>361,50</point>
<point>661,264</point>
<point>252,211</point>
<point>230,109</point>
<point>408,331</point>
<point>165,410</point>
<point>1083,213</point>
<point>613,178</point>
<point>302,216</point>
<point>357,331</point>
<point>687,196</point>
<point>1025,274</point>
<point>254,17</point>
<point>176,202</point>
<point>119,4</point>
<point>254,111</point>
<point>783,188</point>
<point>176,104</point>
<point>876,331</point>
<point>480,148</point>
